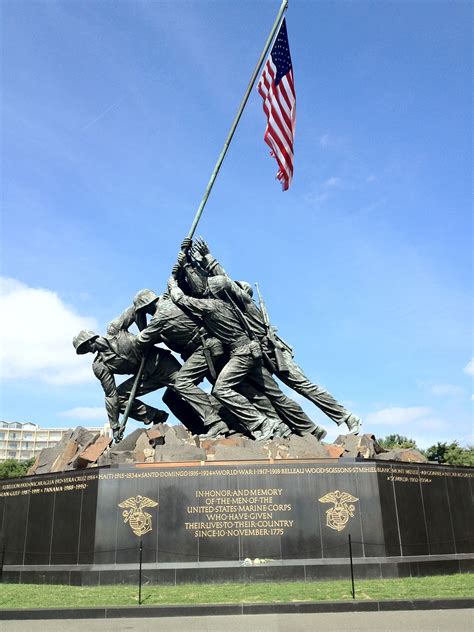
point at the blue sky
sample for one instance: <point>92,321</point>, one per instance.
<point>113,115</point>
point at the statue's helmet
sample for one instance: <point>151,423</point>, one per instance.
<point>217,285</point>
<point>144,298</point>
<point>246,287</point>
<point>80,340</point>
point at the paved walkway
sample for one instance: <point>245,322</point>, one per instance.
<point>400,621</point>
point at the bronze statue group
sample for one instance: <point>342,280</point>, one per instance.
<point>213,323</point>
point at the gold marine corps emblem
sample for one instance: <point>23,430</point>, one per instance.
<point>338,516</point>
<point>139,520</point>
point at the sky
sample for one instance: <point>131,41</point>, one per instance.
<point>113,116</point>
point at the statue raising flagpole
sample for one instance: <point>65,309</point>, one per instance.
<point>279,20</point>
<point>212,321</point>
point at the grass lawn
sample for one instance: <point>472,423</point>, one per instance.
<point>46,596</point>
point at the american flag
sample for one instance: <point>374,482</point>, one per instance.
<point>277,89</point>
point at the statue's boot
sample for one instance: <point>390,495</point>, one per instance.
<point>319,433</point>
<point>266,430</point>
<point>282,431</point>
<point>216,430</point>
<point>159,417</point>
<point>353,423</point>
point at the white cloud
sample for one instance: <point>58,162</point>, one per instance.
<point>441,390</point>
<point>86,412</point>
<point>397,415</point>
<point>333,182</point>
<point>37,329</point>
<point>330,140</point>
<point>469,368</point>
<point>417,422</point>
<point>325,190</point>
<point>431,423</point>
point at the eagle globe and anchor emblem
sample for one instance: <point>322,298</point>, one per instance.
<point>338,516</point>
<point>139,520</point>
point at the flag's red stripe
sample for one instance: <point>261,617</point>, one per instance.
<point>283,159</point>
<point>282,115</point>
<point>279,107</point>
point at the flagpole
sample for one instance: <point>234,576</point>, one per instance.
<point>276,25</point>
<point>197,217</point>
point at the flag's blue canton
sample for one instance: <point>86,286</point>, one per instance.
<point>281,54</point>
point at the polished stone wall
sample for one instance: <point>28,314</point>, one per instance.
<point>193,515</point>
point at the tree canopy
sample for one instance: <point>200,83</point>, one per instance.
<point>451,454</point>
<point>397,441</point>
<point>11,468</point>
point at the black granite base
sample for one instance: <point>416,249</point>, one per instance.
<point>237,522</point>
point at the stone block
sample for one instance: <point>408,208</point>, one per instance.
<point>47,458</point>
<point>142,444</point>
<point>178,435</point>
<point>112,457</point>
<point>405,455</point>
<point>32,468</point>
<point>129,442</point>
<point>143,441</point>
<point>179,453</point>
<point>350,444</point>
<point>365,445</point>
<point>66,455</point>
<point>92,452</point>
<point>233,441</point>
<point>306,447</point>
<point>155,435</point>
<point>334,451</point>
<point>149,455</point>
<point>240,453</point>
<point>368,446</point>
<point>276,448</point>
<point>163,428</point>
<point>83,437</point>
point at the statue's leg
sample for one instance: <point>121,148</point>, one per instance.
<point>287,409</point>
<point>183,411</point>
<point>257,399</point>
<point>139,410</point>
<point>193,371</point>
<point>297,380</point>
<point>232,374</point>
<point>167,372</point>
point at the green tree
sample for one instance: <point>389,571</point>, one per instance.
<point>11,468</point>
<point>397,441</point>
<point>451,454</point>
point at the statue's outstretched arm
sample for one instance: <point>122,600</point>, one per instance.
<point>124,321</point>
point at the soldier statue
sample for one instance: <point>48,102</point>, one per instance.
<point>213,323</point>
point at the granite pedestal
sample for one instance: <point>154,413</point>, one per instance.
<point>237,521</point>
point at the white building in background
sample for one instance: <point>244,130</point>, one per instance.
<point>24,441</point>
